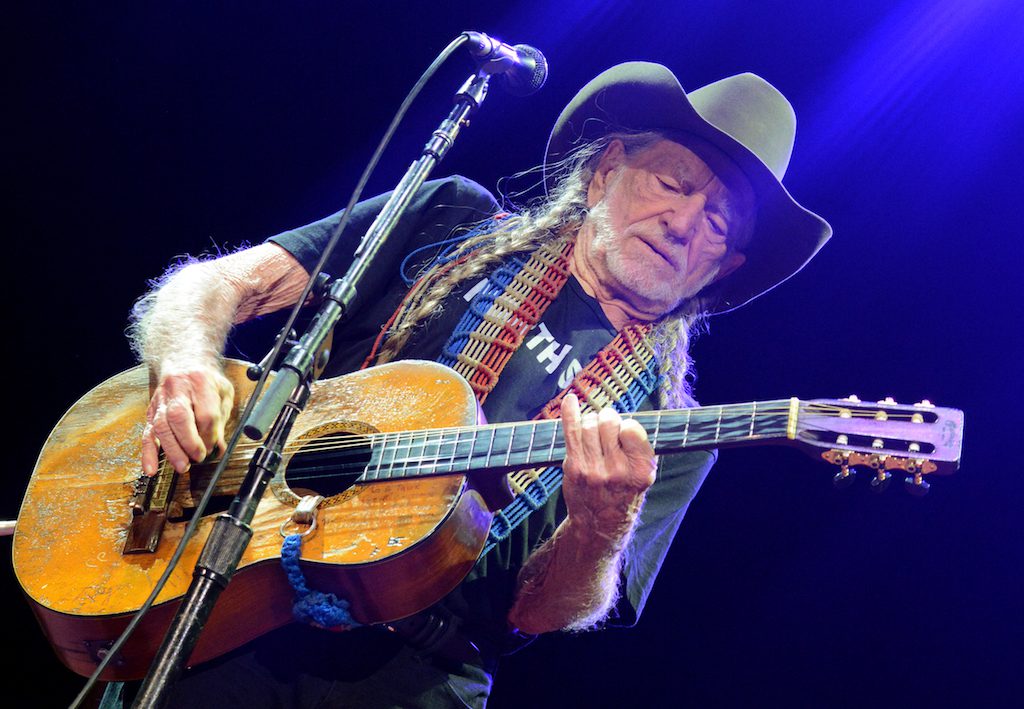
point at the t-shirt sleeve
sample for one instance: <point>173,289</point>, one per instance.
<point>678,479</point>
<point>433,213</point>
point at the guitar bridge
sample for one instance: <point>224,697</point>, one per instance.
<point>150,501</point>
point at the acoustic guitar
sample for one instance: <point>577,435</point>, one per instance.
<point>409,482</point>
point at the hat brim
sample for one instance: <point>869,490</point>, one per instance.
<point>642,96</point>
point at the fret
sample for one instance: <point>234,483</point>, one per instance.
<point>718,424</point>
<point>408,457</point>
<point>515,454</point>
<point>529,445</point>
<point>443,462</point>
<point>431,459</point>
<point>686,429</point>
<point>753,415</point>
<point>467,452</point>
<point>511,441</point>
<point>404,456</point>
<point>378,448</point>
<point>392,450</point>
<point>551,450</point>
<point>455,448</point>
<point>503,437</point>
<point>490,447</point>
<point>657,428</point>
<point>470,459</point>
<point>412,458</point>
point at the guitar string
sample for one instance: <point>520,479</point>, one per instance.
<point>409,440</point>
<point>357,440</point>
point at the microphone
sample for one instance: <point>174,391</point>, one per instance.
<point>523,67</point>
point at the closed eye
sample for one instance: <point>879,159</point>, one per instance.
<point>670,185</point>
<point>718,226</point>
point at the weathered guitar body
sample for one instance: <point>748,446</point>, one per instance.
<point>75,519</point>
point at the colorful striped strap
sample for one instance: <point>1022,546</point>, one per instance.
<point>509,305</point>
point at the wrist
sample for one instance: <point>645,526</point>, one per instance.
<point>604,533</point>
<point>187,365</point>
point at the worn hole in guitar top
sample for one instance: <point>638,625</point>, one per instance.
<point>328,464</point>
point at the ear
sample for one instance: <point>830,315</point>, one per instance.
<point>731,261</point>
<point>612,157</point>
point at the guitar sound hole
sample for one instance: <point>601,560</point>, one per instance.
<point>328,464</point>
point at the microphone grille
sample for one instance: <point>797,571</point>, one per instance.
<point>525,83</point>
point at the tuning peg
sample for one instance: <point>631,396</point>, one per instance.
<point>887,401</point>
<point>925,404</point>
<point>845,477</point>
<point>881,480</point>
<point>852,398</point>
<point>916,485</point>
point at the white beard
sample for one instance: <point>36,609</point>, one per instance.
<point>632,279</point>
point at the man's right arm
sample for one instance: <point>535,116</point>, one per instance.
<point>181,334</point>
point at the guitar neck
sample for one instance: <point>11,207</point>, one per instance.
<point>539,443</point>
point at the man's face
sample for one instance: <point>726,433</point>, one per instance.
<point>665,223</point>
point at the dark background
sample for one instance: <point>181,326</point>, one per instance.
<point>136,132</point>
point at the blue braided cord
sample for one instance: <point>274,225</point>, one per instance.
<point>535,494</point>
<point>453,346</point>
<point>500,526</point>
<point>512,515</point>
<point>448,250</point>
<point>324,610</point>
<point>519,509</point>
<point>483,301</point>
<point>445,243</point>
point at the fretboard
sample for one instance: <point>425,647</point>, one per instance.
<point>539,443</point>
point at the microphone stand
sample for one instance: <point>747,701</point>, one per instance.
<point>278,408</point>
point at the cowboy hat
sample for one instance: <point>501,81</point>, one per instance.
<point>743,116</point>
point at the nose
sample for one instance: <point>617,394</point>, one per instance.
<point>683,216</point>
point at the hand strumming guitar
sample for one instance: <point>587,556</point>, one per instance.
<point>180,333</point>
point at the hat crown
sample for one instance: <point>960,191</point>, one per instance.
<point>754,113</point>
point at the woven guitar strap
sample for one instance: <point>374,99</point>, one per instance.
<point>500,314</point>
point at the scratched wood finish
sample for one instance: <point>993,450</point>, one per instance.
<point>391,548</point>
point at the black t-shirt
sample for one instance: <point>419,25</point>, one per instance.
<point>568,335</point>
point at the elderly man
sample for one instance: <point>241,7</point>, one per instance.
<point>662,208</point>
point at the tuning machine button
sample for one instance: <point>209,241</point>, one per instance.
<point>846,474</point>
<point>881,480</point>
<point>845,477</point>
<point>916,485</point>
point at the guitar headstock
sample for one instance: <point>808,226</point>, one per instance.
<point>918,439</point>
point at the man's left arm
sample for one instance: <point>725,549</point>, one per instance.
<point>571,581</point>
